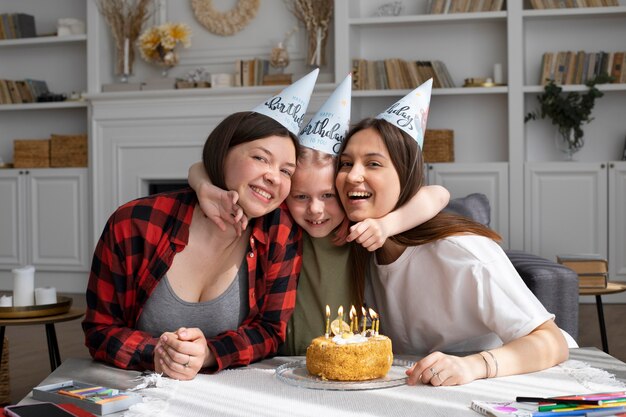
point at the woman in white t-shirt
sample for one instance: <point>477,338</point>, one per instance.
<point>444,286</point>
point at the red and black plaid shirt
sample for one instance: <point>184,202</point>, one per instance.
<point>137,248</point>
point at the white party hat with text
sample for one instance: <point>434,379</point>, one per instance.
<point>328,128</point>
<point>289,106</point>
<point>410,113</point>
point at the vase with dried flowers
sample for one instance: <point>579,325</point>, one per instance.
<point>316,16</point>
<point>125,18</point>
<point>157,44</point>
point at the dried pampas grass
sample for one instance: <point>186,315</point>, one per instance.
<point>126,19</point>
<point>316,16</point>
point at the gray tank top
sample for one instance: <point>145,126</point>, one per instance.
<point>166,312</point>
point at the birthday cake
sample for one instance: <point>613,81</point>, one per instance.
<point>350,356</point>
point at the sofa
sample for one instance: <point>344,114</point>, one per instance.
<point>555,285</point>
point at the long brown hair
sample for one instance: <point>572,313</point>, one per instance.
<point>406,157</point>
<point>234,130</point>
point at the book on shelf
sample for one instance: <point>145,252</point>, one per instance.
<point>568,67</point>
<point>464,6</point>
<point>398,74</point>
<point>17,25</point>
<point>589,263</point>
<point>546,68</point>
<point>251,72</point>
<point>571,4</point>
<point>618,66</point>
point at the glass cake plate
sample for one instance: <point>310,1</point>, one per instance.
<point>295,373</point>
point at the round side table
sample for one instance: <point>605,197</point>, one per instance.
<point>51,336</point>
<point>611,288</point>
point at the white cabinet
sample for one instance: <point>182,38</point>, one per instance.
<point>490,179</point>
<point>577,208</point>
<point>44,219</point>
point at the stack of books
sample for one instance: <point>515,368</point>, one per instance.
<point>569,67</point>
<point>398,74</point>
<point>592,269</point>
<point>568,4</point>
<point>17,25</point>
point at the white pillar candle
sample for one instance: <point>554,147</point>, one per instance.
<point>45,295</point>
<point>6,301</point>
<point>24,286</point>
<point>126,52</point>
<point>497,73</point>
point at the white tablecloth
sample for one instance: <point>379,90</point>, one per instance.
<point>256,391</point>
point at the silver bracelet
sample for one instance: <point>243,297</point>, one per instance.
<point>494,361</point>
<point>487,367</point>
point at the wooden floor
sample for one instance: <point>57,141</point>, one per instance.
<point>29,363</point>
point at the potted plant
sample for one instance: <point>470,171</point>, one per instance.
<point>568,111</point>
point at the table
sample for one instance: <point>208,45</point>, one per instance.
<point>51,336</point>
<point>611,288</point>
<point>254,390</point>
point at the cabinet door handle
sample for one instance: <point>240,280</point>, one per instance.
<point>27,172</point>
<point>21,173</point>
<point>602,166</point>
<point>612,165</point>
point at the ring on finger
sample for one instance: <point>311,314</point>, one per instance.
<point>186,365</point>
<point>434,372</point>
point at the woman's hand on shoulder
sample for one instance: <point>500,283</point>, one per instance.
<point>369,233</point>
<point>182,354</point>
<point>439,369</point>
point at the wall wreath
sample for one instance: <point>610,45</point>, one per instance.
<point>225,23</point>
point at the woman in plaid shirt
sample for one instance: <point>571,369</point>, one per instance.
<point>165,240</point>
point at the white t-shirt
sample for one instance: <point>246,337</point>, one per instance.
<point>458,294</point>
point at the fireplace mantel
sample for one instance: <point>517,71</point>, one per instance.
<point>139,137</point>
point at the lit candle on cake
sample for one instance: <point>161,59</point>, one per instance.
<point>327,321</point>
<point>377,326</point>
<point>374,317</point>
<point>340,314</point>
<point>364,326</point>
<point>353,320</point>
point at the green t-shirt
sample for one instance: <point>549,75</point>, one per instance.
<point>323,280</point>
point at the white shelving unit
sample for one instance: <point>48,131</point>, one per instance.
<point>576,206</point>
<point>488,123</point>
<point>478,116</point>
<point>46,221</point>
<point>60,61</point>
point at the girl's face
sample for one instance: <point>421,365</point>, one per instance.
<point>367,182</point>
<point>260,171</point>
<point>313,202</point>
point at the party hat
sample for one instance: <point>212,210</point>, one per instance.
<point>411,112</point>
<point>327,129</point>
<point>288,106</point>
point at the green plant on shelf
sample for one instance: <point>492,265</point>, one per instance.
<point>569,111</point>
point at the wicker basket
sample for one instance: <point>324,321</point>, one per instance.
<point>5,386</point>
<point>439,145</point>
<point>68,151</point>
<point>31,153</point>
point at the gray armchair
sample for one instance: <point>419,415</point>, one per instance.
<point>553,284</point>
